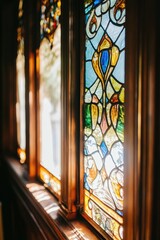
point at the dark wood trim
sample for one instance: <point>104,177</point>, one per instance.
<point>132,136</point>
<point>30,34</point>
<point>8,74</point>
<point>51,225</point>
<point>37,7</point>
<point>155,221</point>
<point>81,137</point>
<point>148,118</point>
<point>140,120</point>
<point>70,108</point>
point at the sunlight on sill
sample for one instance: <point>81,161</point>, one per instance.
<point>38,192</point>
<point>80,230</point>
<point>33,187</point>
<point>38,197</point>
<point>53,209</point>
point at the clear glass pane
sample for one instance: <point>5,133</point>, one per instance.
<point>50,87</point>
<point>20,86</point>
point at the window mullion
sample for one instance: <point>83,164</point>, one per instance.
<point>30,91</point>
<point>70,112</point>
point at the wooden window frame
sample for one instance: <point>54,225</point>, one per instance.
<point>70,115</point>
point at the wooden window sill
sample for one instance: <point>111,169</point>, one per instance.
<point>44,208</point>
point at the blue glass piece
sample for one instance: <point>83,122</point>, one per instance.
<point>105,20</point>
<point>119,212</point>
<point>97,2</point>
<point>120,43</point>
<point>104,148</point>
<point>87,17</point>
<point>87,9</point>
<point>89,50</point>
<point>104,60</point>
<point>90,75</point>
<point>49,184</point>
<point>114,29</point>
<point>85,152</point>
<point>86,186</point>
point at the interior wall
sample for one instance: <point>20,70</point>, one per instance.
<point>7,53</point>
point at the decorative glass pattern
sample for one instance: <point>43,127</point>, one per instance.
<point>50,91</point>
<point>103,114</point>
<point>20,104</point>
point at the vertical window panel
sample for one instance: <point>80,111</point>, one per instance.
<point>50,93</point>
<point>20,85</point>
<point>103,114</point>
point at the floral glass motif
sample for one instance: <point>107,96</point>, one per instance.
<point>20,82</point>
<point>104,114</point>
<point>50,91</point>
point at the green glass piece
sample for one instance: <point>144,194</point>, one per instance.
<point>120,124</point>
<point>87,115</point>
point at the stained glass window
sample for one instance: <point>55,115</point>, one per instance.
<point>104,114</point>
<point>20,82</point>
<point>50,92</point>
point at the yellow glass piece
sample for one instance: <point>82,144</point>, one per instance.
<point>97,134</point>
<point>108,107</point>
<point>114,226</point>
<point>44,175</point>
<point>87,131</point>
<point>91,172</point>
<point>20,8</point>
<point>95,63</point>
<point>121,95</point>
<point>103,206</point>
<point>22,155</point>
<point>88,2</point>
<point>120,5</point>
<point>110,137</point>
<point>94,113</point>
<point>110,90</point>
<point>114,55</point>
<point>105,43</point>
<point>55,185</point>
<point>59,4</point>
<point>114,115</point>
<point>100,109</point>
<point>49,178</point>
<point>86,206</point>
<point>117,187</point>
<point>115,84</point>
